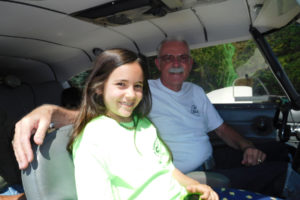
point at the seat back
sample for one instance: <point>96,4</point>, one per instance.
<point>51,174</point>
<point>17,98</point>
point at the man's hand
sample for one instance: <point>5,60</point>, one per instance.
<point>36,122</point>
<point>253,156</point>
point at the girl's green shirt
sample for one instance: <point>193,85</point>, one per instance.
<point>114,161</point>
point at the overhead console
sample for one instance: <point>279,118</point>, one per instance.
<point>121,12</point>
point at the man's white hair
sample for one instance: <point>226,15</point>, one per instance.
<point>172,39</point>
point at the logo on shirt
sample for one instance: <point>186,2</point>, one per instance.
<point>157,147</point>
<point>160,152</point>
<point>194,110</point>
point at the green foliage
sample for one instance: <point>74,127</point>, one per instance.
<point>244,50</point>
<point>266,77</point>
<point>153,71</point>
<point>213,67</point>
<point>78,81</point>
<point>286,46</point>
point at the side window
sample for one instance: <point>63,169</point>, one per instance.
<point>72,95</point>
<point>78,80</point>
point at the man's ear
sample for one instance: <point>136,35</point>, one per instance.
<point>157,64</point>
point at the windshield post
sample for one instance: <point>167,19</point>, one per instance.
<point>276,67</point>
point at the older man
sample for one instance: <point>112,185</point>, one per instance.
<point>183,115</point>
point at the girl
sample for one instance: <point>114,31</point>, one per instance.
<point>116,151</point>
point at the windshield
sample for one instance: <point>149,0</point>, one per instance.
<point>233,71</point>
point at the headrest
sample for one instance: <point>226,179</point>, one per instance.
<point>12,81</point>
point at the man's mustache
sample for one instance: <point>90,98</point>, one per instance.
<point>176,70</point>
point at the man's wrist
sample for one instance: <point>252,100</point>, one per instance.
<point>247,147</point>
<point>62,116</point>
